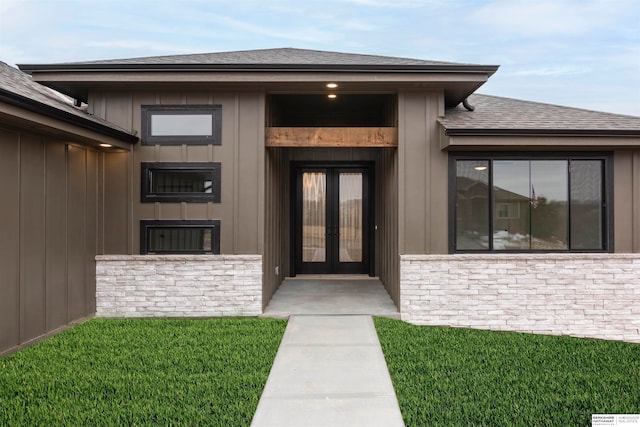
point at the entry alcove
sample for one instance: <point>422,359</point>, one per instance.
<point>348,120</point>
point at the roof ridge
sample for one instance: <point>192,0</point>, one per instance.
<point>261,56</point>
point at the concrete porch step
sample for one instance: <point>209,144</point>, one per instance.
<point>317,295</point>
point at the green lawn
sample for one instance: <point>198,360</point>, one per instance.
<point>461,377</point>
<point>142,372</point>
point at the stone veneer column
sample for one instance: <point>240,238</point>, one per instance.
<point>178,285</point>
<point>584,295</point>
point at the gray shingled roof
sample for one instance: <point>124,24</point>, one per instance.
<point>282,56</point>
<point>19,89</point>
<point>497,115</point>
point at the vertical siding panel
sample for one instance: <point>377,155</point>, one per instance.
<point>260,167</point>
<point>169,153</point>
<point>402,134</point>
<point>635,182</point>
<point>388,222</point>
<point>285,210</point>
<point>276,222</point>
<point>438,184</point>
<point>197,153</point>
<point>116,196</point>
<point>270,257</point>
<point>77,227</point>
<point>32,233</point>
<point>623,210</point>
<point>97,104</point>
<point>10,241</point>
<point>196,210</point>
<point>249,175</point>
<point>235,223</point>
<point>119,109</point>
<point>414,173</point>
<point>56,236</point>
<point>171,98</point>
<point>198,98</point>
<point>91,227</point>
<point>169,211</point>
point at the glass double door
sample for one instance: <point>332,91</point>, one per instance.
<point>332,227</point>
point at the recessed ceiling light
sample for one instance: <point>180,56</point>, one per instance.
<point>332,85</point>
<point>480,168</point>
<point>106,145</point>
<point>332,96</point>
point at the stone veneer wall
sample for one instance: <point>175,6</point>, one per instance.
<point>584,295</point>
<point>178,285</point>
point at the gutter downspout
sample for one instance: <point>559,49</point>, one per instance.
<point>465,104</point>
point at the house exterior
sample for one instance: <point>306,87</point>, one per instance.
<point>229,172</point>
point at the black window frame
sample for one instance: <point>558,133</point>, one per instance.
<point>488,156</point>
<point>146,169</point>
<point>216,124</point>
<point>147,225</point>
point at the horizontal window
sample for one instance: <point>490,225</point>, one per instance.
<point>542,203</point>
<point>180,182</point>
<point>181,124</point>
<point>176,237</point>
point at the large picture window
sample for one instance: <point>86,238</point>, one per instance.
<point>180,237</point>
<point>180,182</point>
<point>537,203</point>
<point>181,124</point>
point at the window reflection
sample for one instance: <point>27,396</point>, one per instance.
<point>541,205</point>
<point>314,221</point>
<point>511,225</point>
<point>472,204</point>
<point>350,217</point>
<point>176,181</point>
<point>549,204</point>
<point>586,204</point>
<point>181,239</point>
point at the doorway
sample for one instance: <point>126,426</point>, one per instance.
<point>332,218</point>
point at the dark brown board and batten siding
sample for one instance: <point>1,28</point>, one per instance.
<point>50,234</point>
<point>422,175</point>
<point>241,154</point>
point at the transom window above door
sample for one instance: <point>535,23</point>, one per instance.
<point>544,203</point>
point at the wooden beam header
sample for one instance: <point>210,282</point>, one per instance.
<point>332,137</point>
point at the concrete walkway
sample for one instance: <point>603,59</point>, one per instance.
<point>329,371</point>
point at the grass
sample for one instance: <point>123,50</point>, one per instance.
<point>461,377</point>
<point>142,372</point>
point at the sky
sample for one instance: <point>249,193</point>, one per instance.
<point>579,53</point>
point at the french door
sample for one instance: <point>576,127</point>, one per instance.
<point>332,227</point>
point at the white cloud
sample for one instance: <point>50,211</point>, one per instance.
<point>552,70</point>
<point>356,25</point>
<point>149,46</point>
<point>395,3</point>
<point>547,17</point>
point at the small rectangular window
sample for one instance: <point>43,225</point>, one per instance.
<point>181,124</point>
<point>180,182</point>
<point>176,237</point>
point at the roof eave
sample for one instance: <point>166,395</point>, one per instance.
<point>64,116</point>
<point>633,133</point>
<point>343,68</point>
